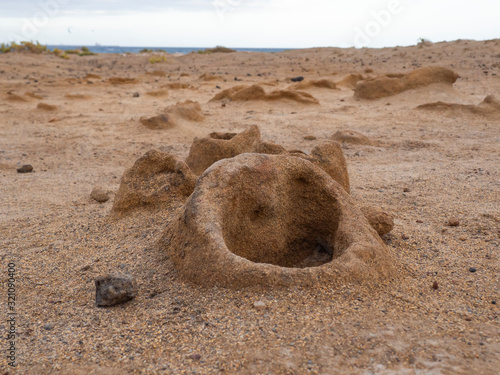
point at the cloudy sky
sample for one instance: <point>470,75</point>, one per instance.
<point>247,23</point>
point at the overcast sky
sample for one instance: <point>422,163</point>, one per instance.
<point>248,23</point>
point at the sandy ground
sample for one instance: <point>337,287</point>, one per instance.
<point>428,167</point>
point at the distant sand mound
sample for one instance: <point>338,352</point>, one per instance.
<point>46,107</point>
<point>157,73</point>
<point>77,96</point>
<point>350,81</point>
<point>92,76</point>
<point>158,122</point>
<point>322,83</point>
<point>393,84</point>
<point>157,93</point>
<point>154,181</point>
<point>11,97</point>
<point>122,80</point>
<point>352,137</point>
<point>176,86</point>
<point>490,106</point>
<point>187,110</point>
<point>209,77</point>
<point>257,93</point>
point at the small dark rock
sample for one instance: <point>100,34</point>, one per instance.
<point>419,221</point>
<point>115,289</point>
<point>136,95</point>
<point>453,222</point>
<point>472,269</point>
<point>406,190</point>
<point>310,138</point>
<point>493,302</point>
<point>48,327</point>
<point>298,79</point>
<point>25,169</point>
<point>405,237</point>
<point>435,285</point>
<point>194,357</point>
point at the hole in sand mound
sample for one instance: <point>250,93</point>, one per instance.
<point>291,229</point>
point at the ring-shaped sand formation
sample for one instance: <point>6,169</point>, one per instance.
<point>273,220</point>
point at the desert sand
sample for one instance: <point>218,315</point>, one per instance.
<point>425,149</point>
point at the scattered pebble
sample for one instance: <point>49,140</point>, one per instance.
<point>493,302</point>
<point>100,194</point>
<point>472,269</point>
<point>298,79</point>
<point>310,138</point>
<point>27,168</point>
<point>453,222</point>
<point>48,327</point>
<point>406,190</point>
<point>405,237</point>
<point>115,289</point>
<point>419,221</point>
<point>136,95</point>
<point>435,285</point>
<point>462,238</point>
<point>259,305</point>
<point>194,357</point>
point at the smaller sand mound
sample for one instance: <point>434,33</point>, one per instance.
<point>187,110</point>
<point>122,80</point>
<point>206,151</point>
<point>209,77</point>
<point>158,93</point>
<point>490,106</point>
<point>158,122</point>
<point>393,84</point>
<point>156,180</point>
<point>11,97</point>
<point>352,137</point>
<point>157,73</point>
<point>77,97</point>
<point>256,92</point>
<point>322,83</point>
<point>176,86</point>
<point>350,81</point>
<point>33,95</point>
<point>92,76</point>
<point>46,107</point>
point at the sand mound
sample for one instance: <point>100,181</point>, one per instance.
<point>329,157</point>
<point>176,86</point>
<point>33,95</point>
<point>154,181</point>
<point>158,122</point>
<point>256,92</point>
<point>393,84</point>
<point>209,77</point>
<point>187,110</point>
<point>157,73</point>
<point>273,220</point>
<point>11,97</point>
<point>46,107</point>
<point>490,106</point>
<point>121,80</point>
<point>77,96</point>
<point>380,220</point>
<point>352,137</point>
<point>158,93</point>
<point>92,76</point>
<point>206,151</point>
<point>322,83</point>
<point>350,81</point>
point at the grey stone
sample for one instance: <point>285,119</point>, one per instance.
<point>115,289</point>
